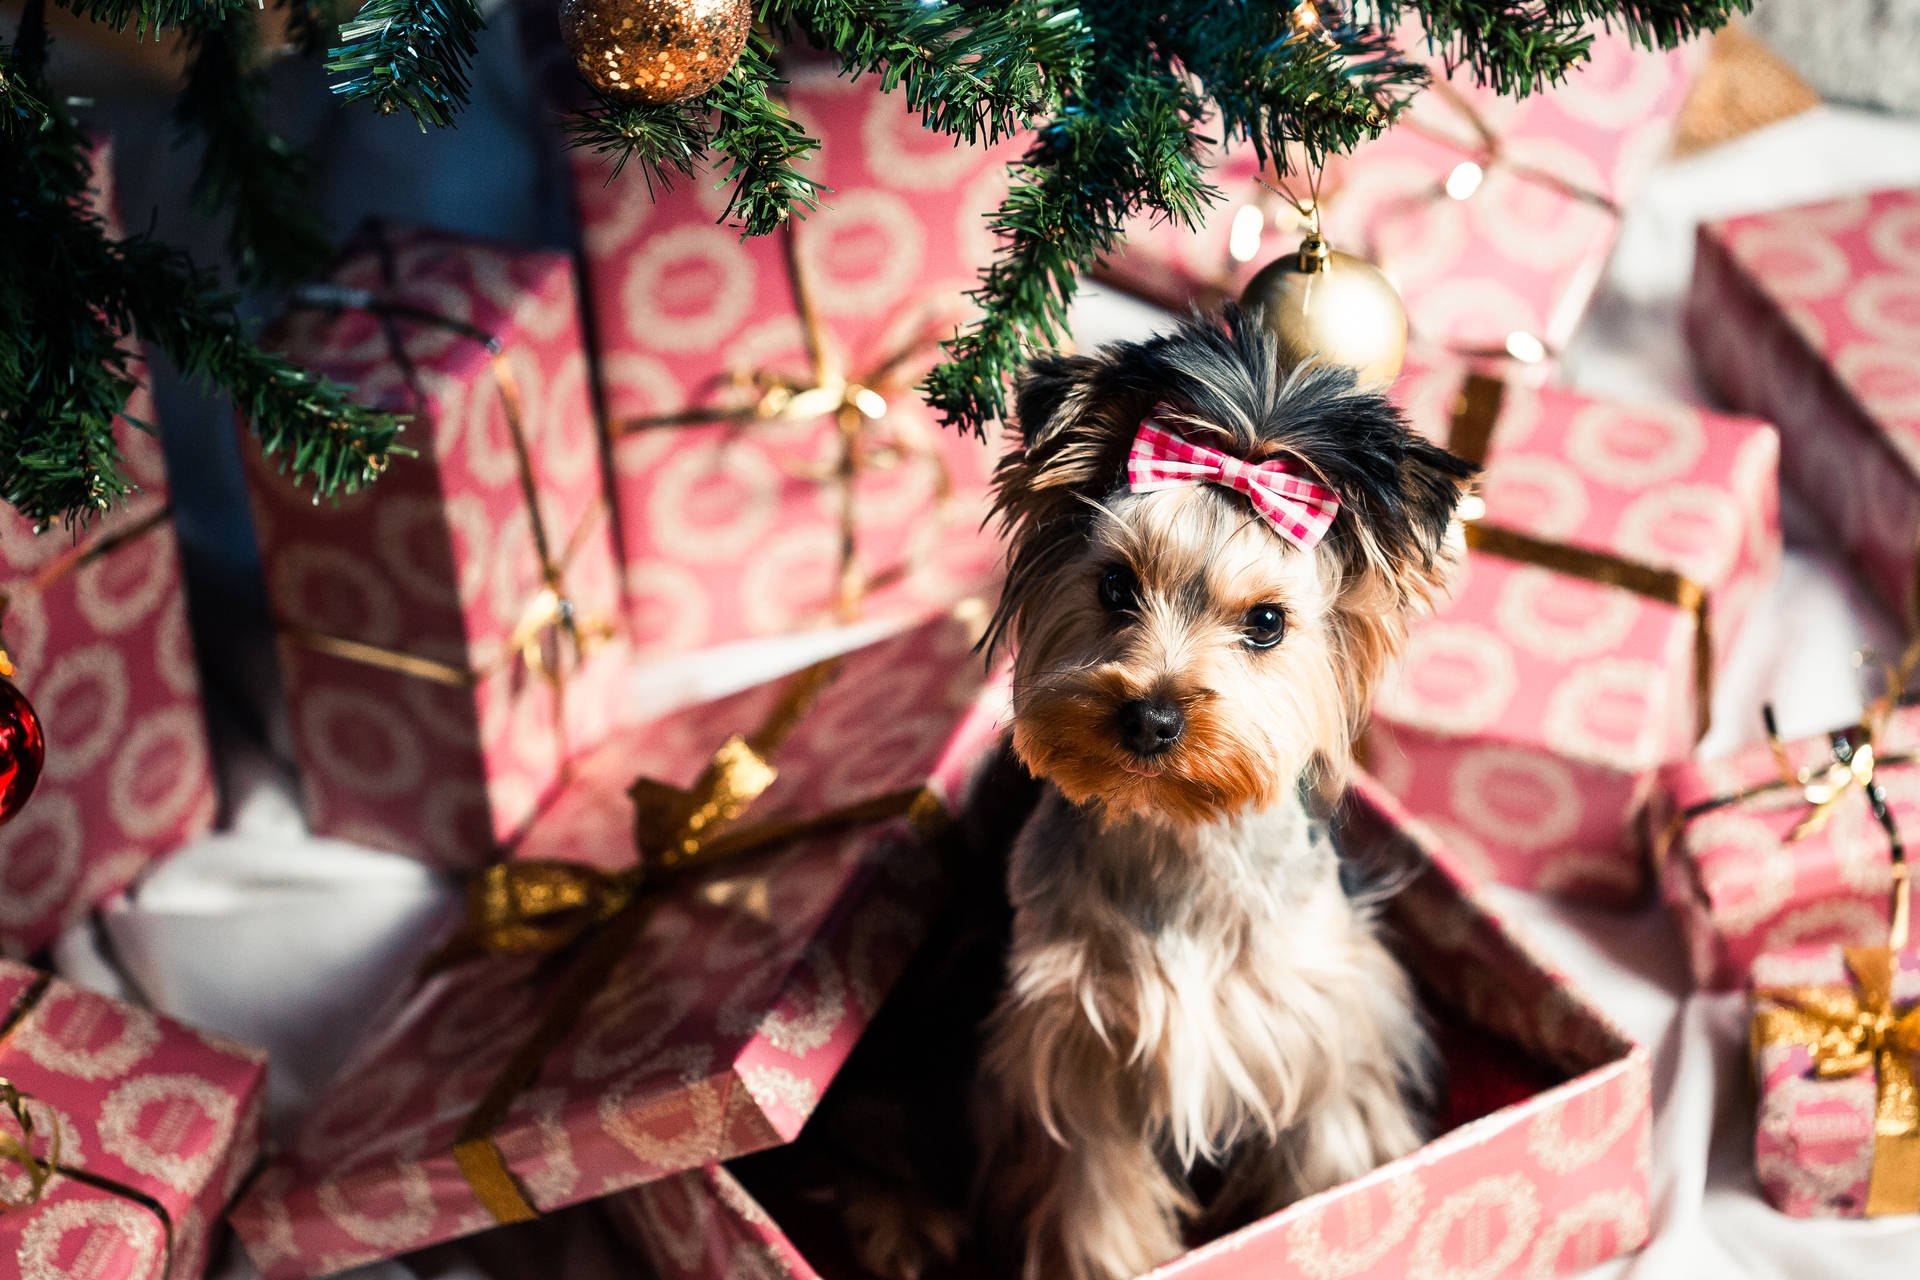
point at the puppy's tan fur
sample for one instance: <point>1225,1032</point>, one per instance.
<point>1189,986</point>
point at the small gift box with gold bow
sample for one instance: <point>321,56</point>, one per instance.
<point>1787,844</point>
<point>1613,557</point>
<point>123,1135</point>
<point>1492,216</point>
<point>1806,316</point>
<point>94,622</point>
<point>774,467</point>
<point>662,975</point>
<point>447,636</point>
<point>1538,1166</point>
<point>1835,1044</point>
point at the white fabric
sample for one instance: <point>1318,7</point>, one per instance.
<point>291,942</point>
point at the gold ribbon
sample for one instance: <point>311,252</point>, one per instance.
<point>534,907</point>
<point>549,617</point>
<point>42,1167</point>
<point>1476,411</point>
<point>859,407</point>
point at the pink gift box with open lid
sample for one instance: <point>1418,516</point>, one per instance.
<point>1540,1168</point>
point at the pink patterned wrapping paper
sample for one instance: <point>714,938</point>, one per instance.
<point>1547,1186</point>
<point>732,530</point>
<point>1813,1145</point>
<point>171,1112</point>
<point>1811,317</point>
<point>1531,711</point>
<point>438,560</point>
<point>714,1037</point>
<point>1738,887</point>
<point>97,626</point>
<point>1520,254</point>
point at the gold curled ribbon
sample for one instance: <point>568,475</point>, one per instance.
<point>1476,412</point>
<point>534,907</point>
<point>549,615</point>
<point>42,1167</point>
<point>859,407</point>
<point>1855,763</point>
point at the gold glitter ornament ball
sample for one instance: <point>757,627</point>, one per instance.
<point>655,50</point>
<point>1320,302</point>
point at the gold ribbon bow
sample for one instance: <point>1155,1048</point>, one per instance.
<point>1850,1030</point>
<point>538,906</point>
<point>1476,411</point>
<point>859,407</point>
<point>549,616</point>
<point>42,1167</point>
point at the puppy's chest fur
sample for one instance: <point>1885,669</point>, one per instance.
<point>1211,963</point>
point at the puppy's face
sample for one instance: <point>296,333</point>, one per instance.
<point>1183,665</point>
<point>1176,657</point>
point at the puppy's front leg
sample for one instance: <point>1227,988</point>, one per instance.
<point>1071,1177</point>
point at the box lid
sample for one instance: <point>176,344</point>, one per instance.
<point>718,1028</point>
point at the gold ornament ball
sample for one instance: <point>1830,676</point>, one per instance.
<point>1321,302</point>
<point>655,50</point>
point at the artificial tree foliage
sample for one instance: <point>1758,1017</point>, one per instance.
<point>1124,102</point>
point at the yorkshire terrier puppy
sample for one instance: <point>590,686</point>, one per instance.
<point>1212,558</point>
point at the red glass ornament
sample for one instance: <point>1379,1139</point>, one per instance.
<point>23,749</point>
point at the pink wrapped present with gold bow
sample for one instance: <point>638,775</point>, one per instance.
<point>447,636</point>
<point>607,1016</point>
<point>95,621</point>
<point>1811,317</point>
<point>123,1135</point>
<point>1783,845</point>
<point>1617,556</point>
<point>1493,216</point>
<point>1540,1167</point>
<point>774,467</point>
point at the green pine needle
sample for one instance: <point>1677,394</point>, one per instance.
<point>409,55</point>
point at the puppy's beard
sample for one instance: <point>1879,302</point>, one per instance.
<point>1066,736</point>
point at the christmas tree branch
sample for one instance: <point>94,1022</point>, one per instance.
<point>976,72</point>
<point>411,55</point>
<point>741,118</point>
<point>274,233</point>
<point>71,298</point>
<point>147,17</point>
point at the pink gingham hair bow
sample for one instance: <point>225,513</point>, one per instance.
<point>1298,509</point>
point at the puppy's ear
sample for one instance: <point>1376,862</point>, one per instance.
<point>1402,551</point>
<point>1054,393</point>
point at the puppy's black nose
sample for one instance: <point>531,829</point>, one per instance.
<point>1149,726</point>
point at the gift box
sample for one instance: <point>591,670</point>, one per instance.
<point>95,621</point>
<point>1746,865</point>
<point>447,635</point>
<point>1619,552</point>
<point>602,1019</point>
<point>1835,1040</point>
<point>1493,216</point>
<point>1807,317</point>
<point>774,467</point>
<point>123,1135</point>
<point>1540,1167</point>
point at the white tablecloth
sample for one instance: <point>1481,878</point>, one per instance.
<point>270,935</point>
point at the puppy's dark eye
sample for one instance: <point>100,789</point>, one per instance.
<point>1264,625</point>
<point>1119,590</point>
